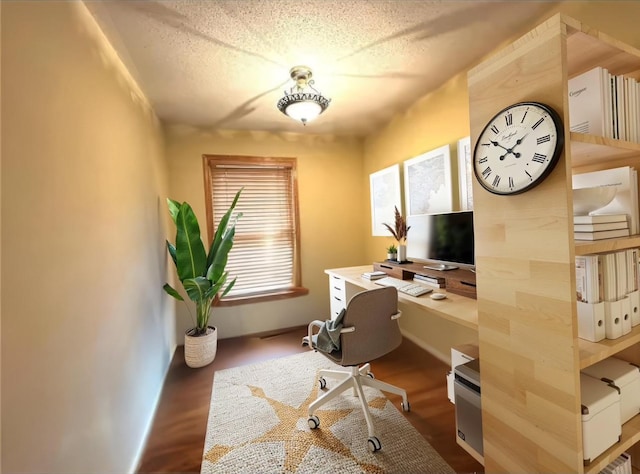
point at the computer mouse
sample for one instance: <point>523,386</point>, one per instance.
<point>438,296</point>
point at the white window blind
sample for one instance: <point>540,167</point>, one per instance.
<point>263,257</point>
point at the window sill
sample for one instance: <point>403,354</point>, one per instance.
<point>262,297</point>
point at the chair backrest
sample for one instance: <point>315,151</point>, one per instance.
<point>376,334</point>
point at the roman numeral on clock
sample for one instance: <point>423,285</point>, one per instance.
<point>525,114</point>
<point>537,124</point>
<point>494,129</point>
<point>509,119</point>
<point>511,185</point>
<point>483,160</point>
<point>496,181</point>
<point>538,158</point>
<point>544,139</point>
<point>527,173</point>
<point>486,172</point>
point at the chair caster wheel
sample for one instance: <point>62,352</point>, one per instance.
<point>322,382</point>
<point>313,421</point>
<point>374,444</point>
<point>405,406</point>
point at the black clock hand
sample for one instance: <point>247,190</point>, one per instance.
<point>498,144</point>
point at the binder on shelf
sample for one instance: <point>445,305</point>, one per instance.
<point>591,321</point>
<point>613,311</point>
<point>633,292</point>
<point>634,307</point>
<point>625,316</point>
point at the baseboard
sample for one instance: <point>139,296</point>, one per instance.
<point>446,358</point>
<point>135,465</point>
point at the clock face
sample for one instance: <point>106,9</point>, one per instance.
<point>518,148</point>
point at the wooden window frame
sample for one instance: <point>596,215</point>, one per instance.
<point>209,161</point>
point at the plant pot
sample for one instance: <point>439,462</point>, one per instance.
<point>391,256</point>
<point>402,253</point>
<point>200,350</point>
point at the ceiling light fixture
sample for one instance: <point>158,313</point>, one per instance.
<point>302,102</point>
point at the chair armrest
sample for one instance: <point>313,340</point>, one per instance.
<point>397,315</point>
<point>316,323</point>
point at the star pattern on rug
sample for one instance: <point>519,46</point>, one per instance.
<point>297,441</point>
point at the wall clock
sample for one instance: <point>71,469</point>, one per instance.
<point>518,148</point>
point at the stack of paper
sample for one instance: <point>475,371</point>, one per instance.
<point>605,105</point>
<point>625,202</point>
<point>620,465</point>
<point>373,275</point>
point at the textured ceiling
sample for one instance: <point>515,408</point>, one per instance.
<point>223,64</point>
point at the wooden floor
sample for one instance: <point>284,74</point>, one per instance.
<point>176,440</point>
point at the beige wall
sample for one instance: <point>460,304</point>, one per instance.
<point>441,118</point>
<point>87,333</point>
<point>332,215</point>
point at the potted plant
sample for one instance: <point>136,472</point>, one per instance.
<point>202,275</point>
<point>399,232</point>
<point>392,251</point>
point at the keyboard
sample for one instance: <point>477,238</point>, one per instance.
<point>415,289</point>
<point>403,286</point>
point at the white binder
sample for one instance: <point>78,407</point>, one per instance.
<point>613,319</point>
<point>591,321</point>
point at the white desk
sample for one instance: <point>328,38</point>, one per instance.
<point>458,309</point>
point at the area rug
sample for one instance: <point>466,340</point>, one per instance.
<point>258,424</point>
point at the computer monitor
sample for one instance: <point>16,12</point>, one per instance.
<point>442,241</point>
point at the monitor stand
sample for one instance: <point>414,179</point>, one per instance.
<point>441,267</point>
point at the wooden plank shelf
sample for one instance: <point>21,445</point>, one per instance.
<point>606,245</point>
<point>594,150</point>
<point>592,352</point>
<point>588,48</point>
<point>630,436</point>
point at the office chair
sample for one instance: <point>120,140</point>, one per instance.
<point>369,330</point>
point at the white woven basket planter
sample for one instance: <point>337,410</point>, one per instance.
<point>200,350</point>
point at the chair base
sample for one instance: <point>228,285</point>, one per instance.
<point>355,377</point>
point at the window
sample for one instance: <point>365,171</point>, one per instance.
<point>265,256</point>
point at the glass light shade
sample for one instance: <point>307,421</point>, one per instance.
<point>304,111</point>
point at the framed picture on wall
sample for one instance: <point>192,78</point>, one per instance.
<point>427,182</point>
<point>385,196</point>
<point>465,174</point>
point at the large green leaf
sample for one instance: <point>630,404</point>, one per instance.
<point>220,258</point>
<point>197,288</point>
<point>172,252</point>
<point>191,259</point>
<point>228,288</point>
<point>174,207</point>
<point>221,231</point>
<point>169,289</point>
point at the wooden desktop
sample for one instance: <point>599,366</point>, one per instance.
<point>344,282</point>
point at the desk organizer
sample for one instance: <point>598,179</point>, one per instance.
<point>591,321</point>
<point>601,427</point>
<point>634,298</point>
<point>617,318</point>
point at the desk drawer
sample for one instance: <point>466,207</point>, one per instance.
<point>336,306</point>
<point>337,295</point>
<point>394,271</point>
<point>338,287</point>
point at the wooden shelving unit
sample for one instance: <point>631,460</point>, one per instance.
<point>530,355</point>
